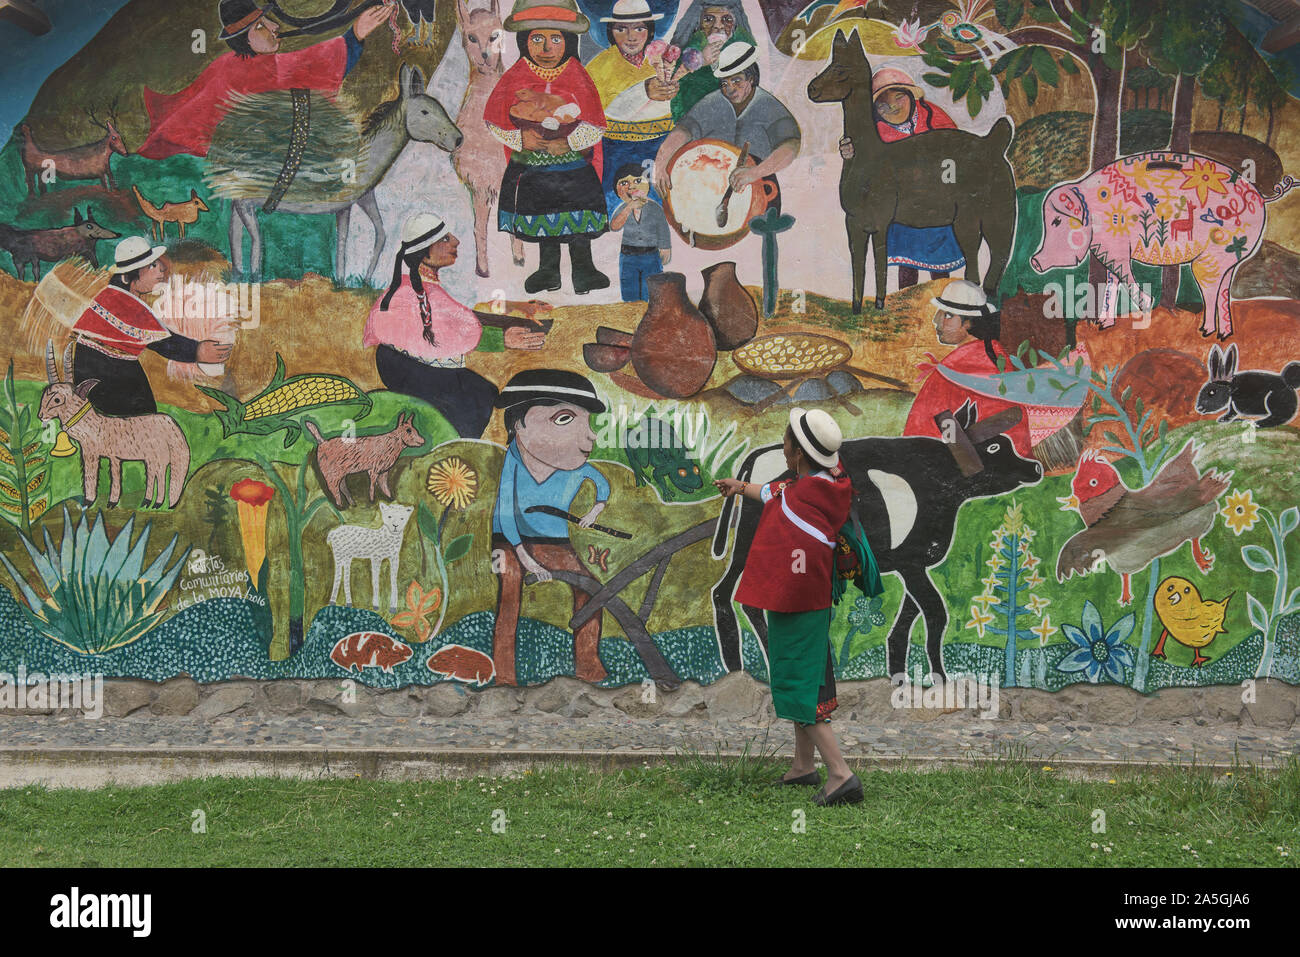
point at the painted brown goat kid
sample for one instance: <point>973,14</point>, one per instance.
<point>905,182</point>
<point>375,455</point>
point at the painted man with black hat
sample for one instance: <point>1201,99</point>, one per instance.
<point>739,112</point>
<point>183,122</point>
<point>548,424</point>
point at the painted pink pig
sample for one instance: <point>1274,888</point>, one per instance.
<point>1162,209</point>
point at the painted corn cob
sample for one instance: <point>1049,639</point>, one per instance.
<point>272,409</point>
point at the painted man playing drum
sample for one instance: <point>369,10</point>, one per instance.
<point>738,113</point>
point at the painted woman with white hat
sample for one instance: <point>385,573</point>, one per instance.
<point>119,325</point>
<point>421,334</point>
<point>635,97</point>
<point>964,318</point>
<point>788,573</point>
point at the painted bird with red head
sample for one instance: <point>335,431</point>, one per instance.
<point>1128,528</point>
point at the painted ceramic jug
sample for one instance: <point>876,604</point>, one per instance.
<point>673,350</point>
<point>728,306</point>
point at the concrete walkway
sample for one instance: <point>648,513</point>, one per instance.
<point>72,751</point>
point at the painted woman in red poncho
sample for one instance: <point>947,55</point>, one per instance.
<point>964,319</point>
<point>788,572</point>
<point>183,122</point>
<point>547,113</point>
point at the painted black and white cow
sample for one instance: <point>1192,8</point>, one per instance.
<point>908,491</point>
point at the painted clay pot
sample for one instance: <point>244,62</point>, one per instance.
<point>728,306</point>
<point>673,349</point>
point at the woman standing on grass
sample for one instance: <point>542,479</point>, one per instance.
<point>788,573</point>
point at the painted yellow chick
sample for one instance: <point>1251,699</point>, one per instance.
<point>1192,620</point>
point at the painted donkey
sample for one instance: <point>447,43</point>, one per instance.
<point>908,492</point>
<point>1163,209</point>
<point>412,115</point>
<point>905,182</point>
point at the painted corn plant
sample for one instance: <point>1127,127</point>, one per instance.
<point>299,510</point>
<point>1013,576</point>
<point>1098,650</point>
<point>1241,514</point>
<point>101,595</point>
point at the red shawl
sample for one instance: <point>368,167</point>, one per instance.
<point>121,323</point>
<point>183,122</point>
<point>943,395</point>
<point>573,82</point>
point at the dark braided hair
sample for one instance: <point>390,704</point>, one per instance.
<point>988,329</point>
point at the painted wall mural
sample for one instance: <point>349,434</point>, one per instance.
<point>403,341</point>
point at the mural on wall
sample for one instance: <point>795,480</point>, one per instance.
<point>478,297</point>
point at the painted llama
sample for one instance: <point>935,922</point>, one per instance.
<point>479,160</point>
<point>350,542</point>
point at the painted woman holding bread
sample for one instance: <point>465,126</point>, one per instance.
<point>546,111</point>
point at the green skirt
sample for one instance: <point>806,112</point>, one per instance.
<point>801,670</point>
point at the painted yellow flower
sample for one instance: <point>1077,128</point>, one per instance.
<point>979,619</point>
<point>1044,630</point>
<point>1205,178</point>
<point>453,482</point>
<point>1239,512</point>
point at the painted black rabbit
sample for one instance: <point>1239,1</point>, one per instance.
<point>1267,397</point>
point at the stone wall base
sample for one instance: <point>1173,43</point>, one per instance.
<point>1269,704</point>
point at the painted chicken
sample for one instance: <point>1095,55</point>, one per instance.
<point>1188,618</point>
<point>1127,528</point>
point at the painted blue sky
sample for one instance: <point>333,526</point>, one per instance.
<point>26,61</point>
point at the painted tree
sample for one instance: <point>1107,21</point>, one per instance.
<point>1181,43</point>
<point>1052,36</point>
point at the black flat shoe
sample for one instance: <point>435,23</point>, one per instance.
<point>811,779</point>
<point>850,792</point>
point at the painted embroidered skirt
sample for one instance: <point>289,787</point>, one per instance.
<point>562,201</point>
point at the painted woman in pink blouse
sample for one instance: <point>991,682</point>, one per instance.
<point>422,335</point>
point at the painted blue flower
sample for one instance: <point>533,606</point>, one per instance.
<point>1098,650</point>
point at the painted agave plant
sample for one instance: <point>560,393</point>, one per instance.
<point>101,594</point>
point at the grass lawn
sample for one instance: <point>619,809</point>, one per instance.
<point>695,811</point>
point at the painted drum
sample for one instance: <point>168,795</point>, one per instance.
<point>699,175</point>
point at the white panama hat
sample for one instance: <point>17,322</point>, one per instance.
<point>961,297</point>
<point>736,57</point>
<point>818,435</point>
<point>631,11</point>
<point>133,253</point>
<point>421,231</point>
